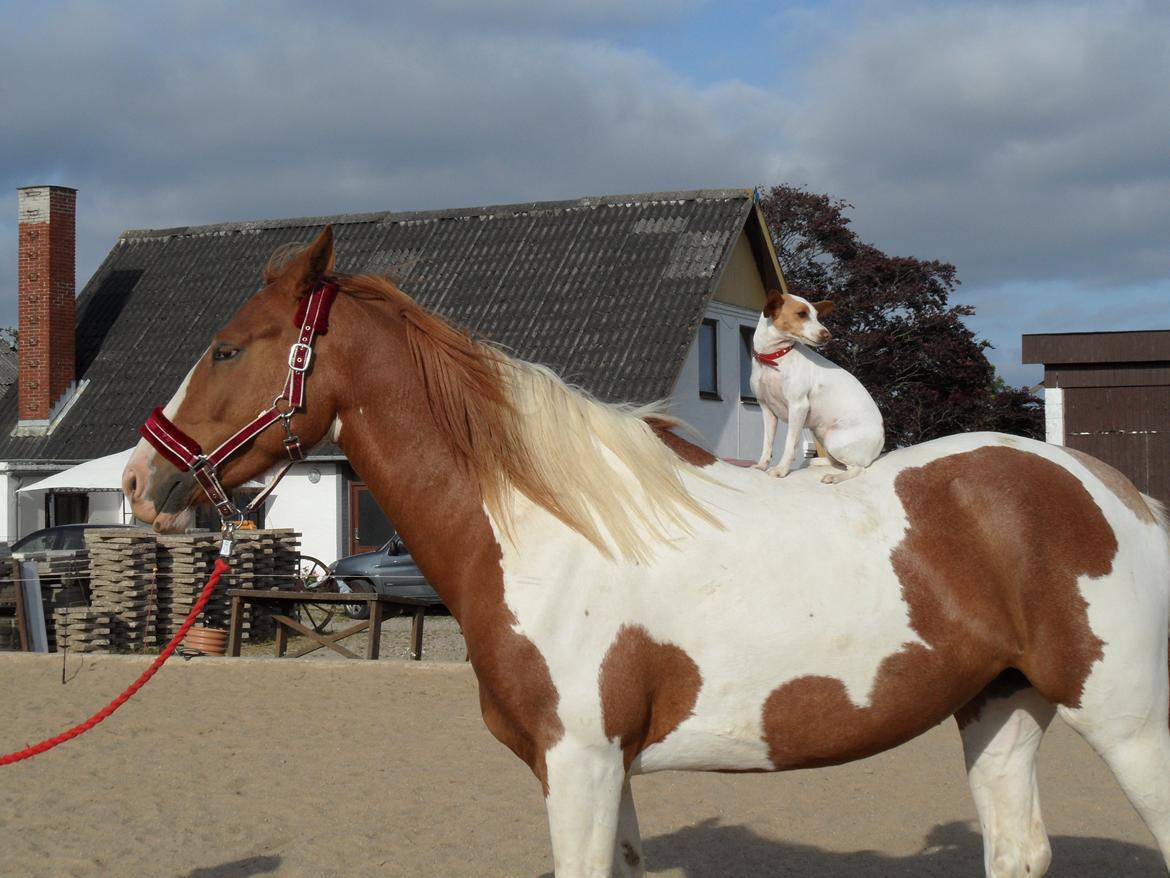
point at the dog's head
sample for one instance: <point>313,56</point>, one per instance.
<point>796,318</point>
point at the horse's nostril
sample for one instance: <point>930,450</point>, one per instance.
<point>129,484</point>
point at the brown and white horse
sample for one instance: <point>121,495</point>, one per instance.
<point>632,605</point>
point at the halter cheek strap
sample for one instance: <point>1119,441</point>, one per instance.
<point>186,454</point>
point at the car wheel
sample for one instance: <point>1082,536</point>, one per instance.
<point>362,586</point>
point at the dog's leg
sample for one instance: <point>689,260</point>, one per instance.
<point>797,412</point>
<point>769,437</point>
<point>835,478</point>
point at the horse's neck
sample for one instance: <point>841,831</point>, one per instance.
<point>428,492</point>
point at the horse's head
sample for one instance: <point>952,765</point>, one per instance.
<point>243,372</point>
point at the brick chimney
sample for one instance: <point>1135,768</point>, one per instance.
<point>47,289</point>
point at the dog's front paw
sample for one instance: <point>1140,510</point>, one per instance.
<point>779,471</point>
<point>838,476</point>
<point>762,465</point>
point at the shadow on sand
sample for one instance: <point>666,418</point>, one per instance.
<point>260,865</point>
<point>708,850</point>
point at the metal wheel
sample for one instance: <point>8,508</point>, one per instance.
<point>312,574</point>
<point>356,611</point>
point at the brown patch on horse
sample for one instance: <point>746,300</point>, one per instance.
<point>996,544</point>
<point>686,451</point>
<point>1117,483</point>
<point>430,492</point>
<point>647,689</point>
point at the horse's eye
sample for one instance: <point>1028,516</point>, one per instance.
<point>224,352</point>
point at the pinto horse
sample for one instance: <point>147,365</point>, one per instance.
<point>631,604</point>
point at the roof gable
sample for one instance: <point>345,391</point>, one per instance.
<point>606,291</point>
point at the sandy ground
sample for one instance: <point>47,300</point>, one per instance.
<point>257,767</point>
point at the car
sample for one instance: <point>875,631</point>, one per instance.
<point>61,537</point>
<point>389,571</point>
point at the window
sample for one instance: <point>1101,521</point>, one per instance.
<point>746,333</point>
<point>709,360</point>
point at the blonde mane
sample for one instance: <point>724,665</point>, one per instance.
<point>597,467</point>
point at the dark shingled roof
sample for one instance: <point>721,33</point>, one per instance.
<point>8,364</point>
<point>607,291</point>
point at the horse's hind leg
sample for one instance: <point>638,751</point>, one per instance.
<point>627,855</point>
<point>1001,731</point>
<point>1126,723</point>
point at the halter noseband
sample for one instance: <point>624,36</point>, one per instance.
<point>186,454</point>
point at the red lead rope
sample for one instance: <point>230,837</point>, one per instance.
<point>221,567</point>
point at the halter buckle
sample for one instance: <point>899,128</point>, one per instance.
<point>299,356</point>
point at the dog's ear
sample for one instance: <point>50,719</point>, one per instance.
<point>824,309</point>
<point>774,303</point>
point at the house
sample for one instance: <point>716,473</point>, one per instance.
<point>632,297</point>
<point>1108,394</point>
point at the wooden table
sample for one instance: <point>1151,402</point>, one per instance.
<point>376,604</point>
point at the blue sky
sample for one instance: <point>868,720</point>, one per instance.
<point>1026,142</point>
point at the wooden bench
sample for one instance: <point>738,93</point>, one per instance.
<point>376,603</point>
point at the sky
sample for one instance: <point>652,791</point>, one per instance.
<point>1026,142</point>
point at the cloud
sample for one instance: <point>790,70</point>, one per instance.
<point>1017,140</point>
<point>1024,141</point>
<point>164,116</point>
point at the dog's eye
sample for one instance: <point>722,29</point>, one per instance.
<point>802,314</point>
<point>224,351</point>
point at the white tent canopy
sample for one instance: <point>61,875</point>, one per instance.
<point>99,474</point>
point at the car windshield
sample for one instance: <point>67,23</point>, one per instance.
<point>40,543</point>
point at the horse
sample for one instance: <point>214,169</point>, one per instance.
<point>632,604</point>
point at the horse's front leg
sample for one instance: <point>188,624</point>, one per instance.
<point>584,801</point>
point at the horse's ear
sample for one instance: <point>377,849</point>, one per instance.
<point>301,270</point>
<point>824,309</point>
<point>773,303</point>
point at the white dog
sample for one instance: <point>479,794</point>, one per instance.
<point>795,383</point>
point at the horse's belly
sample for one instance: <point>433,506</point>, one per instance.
<point>810,722</point>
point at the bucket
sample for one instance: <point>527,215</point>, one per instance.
<point>209,641</point>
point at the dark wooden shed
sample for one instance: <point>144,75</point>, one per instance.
<point>1108,394</point>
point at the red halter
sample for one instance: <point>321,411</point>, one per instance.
<point>770,359</point>
<point>185,453</point>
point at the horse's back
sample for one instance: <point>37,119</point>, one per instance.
<point>825,623</point>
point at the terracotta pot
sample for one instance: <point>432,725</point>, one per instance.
<point>210,641</point>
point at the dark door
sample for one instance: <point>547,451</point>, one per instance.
<point>369,526</point>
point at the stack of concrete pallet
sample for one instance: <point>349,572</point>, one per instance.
<point>261,559</point>
<point>64,580</point>
<point>124,580</point>
<point>82,629</point>
<point>252,568</point>
<point>184,563</point>
<point>286,552</point>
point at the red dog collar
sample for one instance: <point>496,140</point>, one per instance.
<point>770,359</point>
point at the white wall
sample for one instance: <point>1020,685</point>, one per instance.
<point>729,427</point>
<point>1054,415</point>
<point>7,508</point>
<point>106,507</point>
<point>316,510</point>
